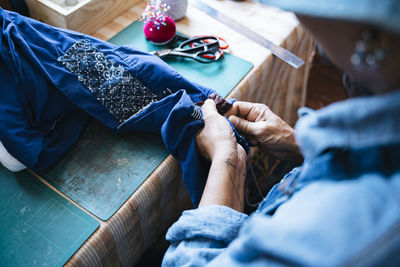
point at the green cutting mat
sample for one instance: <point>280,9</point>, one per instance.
<point>104,169</point>
<point>222,75</point>
<point>38,226</point>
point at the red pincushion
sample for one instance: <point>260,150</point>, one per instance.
<point>162,33</point>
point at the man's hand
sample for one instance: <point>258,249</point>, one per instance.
<point>265,129</point>
<point>217,137</point>
<point>217,142</point>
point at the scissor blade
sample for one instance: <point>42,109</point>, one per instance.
<point>161,53</point>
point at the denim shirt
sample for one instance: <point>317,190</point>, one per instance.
<point>341,207</point>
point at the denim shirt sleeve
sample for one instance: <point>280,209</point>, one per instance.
<point>202,234</point>
<point>326,223</point>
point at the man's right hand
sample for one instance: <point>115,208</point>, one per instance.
<point>265,129</point>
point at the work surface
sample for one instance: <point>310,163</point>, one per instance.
<point>157,203</point>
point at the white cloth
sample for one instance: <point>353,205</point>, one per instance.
<point>9,161</point>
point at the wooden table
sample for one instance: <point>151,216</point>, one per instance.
<point>160,200</point>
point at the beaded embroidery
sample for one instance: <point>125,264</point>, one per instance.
<point>113,86</point>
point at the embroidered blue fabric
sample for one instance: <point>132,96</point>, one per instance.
<point>112,84</point>
<point>60,78</point>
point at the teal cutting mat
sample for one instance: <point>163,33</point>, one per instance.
<point>38,226</point>
<point>104,169</point>
<point>222,76</point>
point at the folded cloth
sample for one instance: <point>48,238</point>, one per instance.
<point>62,78</point>
<point>9,161</point>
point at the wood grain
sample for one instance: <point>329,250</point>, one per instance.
<point>325,84</point>
<point>86,17</point>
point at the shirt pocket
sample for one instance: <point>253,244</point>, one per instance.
<point>281,192</point>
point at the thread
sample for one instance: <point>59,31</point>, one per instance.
<point>177,8</point>
<point>254,178</point>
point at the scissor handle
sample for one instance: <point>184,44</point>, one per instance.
<point>208,56</point>
<point>207,39</point>
<point>224,45</point>
<point>200,45</point>
<point>204,49</point>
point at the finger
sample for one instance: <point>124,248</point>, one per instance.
<point>245,110</point>
<point>242,125</point>
<point>209,108</point>
<point>239,108</point>
<point>200,141</point>
<point>253,141</point>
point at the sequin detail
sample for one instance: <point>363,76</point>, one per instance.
<point>113,86</point>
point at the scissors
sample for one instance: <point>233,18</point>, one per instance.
<point>204,49</point>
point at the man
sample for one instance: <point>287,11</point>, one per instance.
<point>342,206</point>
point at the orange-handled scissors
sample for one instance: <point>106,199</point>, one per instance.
<point>222,45</point>
<point>204,49</point>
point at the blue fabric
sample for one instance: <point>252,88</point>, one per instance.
<point>381,13</point>
<point>54,80</point>
<point>179,135</point>
<point>341,207</point>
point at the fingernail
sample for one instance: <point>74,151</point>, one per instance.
<point>233,119</point>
